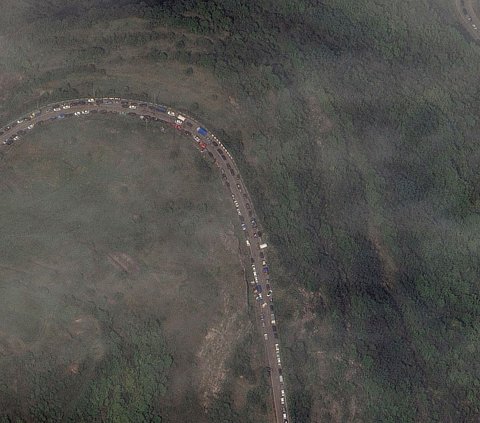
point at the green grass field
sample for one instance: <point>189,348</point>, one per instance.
<point>122,295</point>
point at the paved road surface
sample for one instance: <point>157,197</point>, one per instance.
<point>468,17</point>
<point>210,145</point>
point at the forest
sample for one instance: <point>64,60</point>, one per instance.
<point>366,113</point>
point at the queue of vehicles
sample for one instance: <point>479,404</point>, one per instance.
<point>202,138</point>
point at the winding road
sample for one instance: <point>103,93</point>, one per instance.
<point>208,144</point>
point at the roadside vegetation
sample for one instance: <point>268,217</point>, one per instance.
<point>355,125</point>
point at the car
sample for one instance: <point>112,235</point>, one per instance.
<point>262,255</point>
<point>85,112</point>
<point>56,109</point>
<point>247,205</point>
<point>275,335</point>
<point>132,106</point>
<point>196,138</point>
<point>273,322</point>
<point>8,141</point>
<point>20,120</point>
<point>77,113</point>
<point>91,100</point>
<point>30,126</point>
<point>66,106</point>
<point>244,227</point>
<point>282,400</point>
<point>274,328</point>
<point>224,158</point>
<point>248,243</point>
<point>252,260</point>
<point>170,113</point>
<point>277,347</point>
<point>271,307</point>
<point>239,187</point>
<point>255,235</point>
<point>282,392</point>
<point>215,144</point>
<point>254,222</point>
<point>143,104</point>
<point>264,263</point>
<point>265,336</point>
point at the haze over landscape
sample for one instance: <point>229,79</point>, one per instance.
<point>239,211</point>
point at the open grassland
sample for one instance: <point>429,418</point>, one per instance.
<point>355,124</point>
<point>122,291</point>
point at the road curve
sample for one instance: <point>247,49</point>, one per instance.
<point>208,144</point>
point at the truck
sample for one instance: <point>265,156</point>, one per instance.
<point>202,131</point>
<point>264,245</point>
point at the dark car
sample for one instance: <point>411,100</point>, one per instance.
<point>224,158</point>
<point>215,144</point>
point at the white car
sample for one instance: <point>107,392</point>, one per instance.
<point>277,347</point>
<point>20,120</point>
<point>77,113</point>
<point>66,106</point>
<point>248,243</point>
<point>282,392</point>
<point>282,400</point>
<point>30,126</point>
<point>16,138</point>
<point>85,112</point>
<point>57,109</point>
<point>132,106</point>
<point>91,100</point>
<point>265,336</point>
<point>170,113</point>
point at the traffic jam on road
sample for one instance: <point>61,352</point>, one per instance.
<point>206,142</point>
